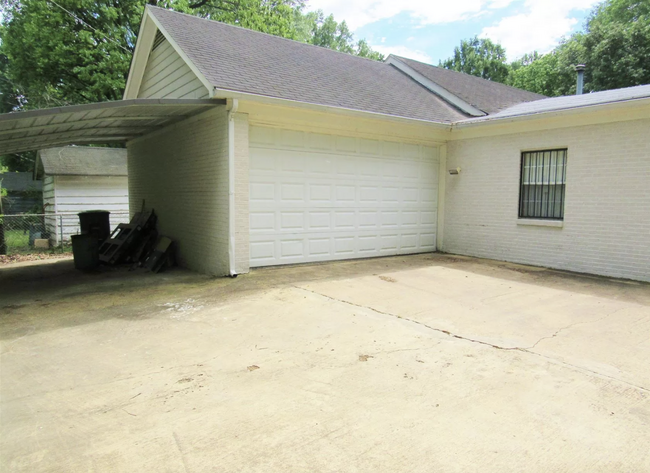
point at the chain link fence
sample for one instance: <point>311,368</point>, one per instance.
<point>34,233</point>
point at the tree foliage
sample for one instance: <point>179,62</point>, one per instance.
<point>57,52</point>
<point>479,57</point>
<point>551,74</point>
<point>618,45</point>
<point>615,47</point>
<point>326,32</point>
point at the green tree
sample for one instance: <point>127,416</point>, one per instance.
<point>58,57</point>
<point>57,52</point>
<point>618,45</point>
<point>328,33</point>
<point>615,47</point>
<point>276,17</point>
<point>551,74</point>
<point>479,57</point>
<point>363,49</point>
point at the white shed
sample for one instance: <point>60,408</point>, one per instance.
<point>80,178</point>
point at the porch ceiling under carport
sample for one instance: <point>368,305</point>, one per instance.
<point>95,123</point>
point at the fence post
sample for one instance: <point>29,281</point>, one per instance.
<point>3,243</point>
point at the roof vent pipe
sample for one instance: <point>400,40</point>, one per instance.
<point>580,69</point>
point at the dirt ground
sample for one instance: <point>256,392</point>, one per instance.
<point>21,258</point>
<point>421,363</point>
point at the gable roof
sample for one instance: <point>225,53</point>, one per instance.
<point>488,96</point>
<point>236,59</point>
<point>81,161</point>
<point>570,102</point>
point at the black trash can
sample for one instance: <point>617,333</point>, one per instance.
<point>85,249</point>
<point>96,223</point>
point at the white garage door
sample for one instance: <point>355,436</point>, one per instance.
<point>316,197</point>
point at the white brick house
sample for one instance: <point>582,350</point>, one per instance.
<point>302,154</point>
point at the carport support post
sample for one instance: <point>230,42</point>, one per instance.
<point>442,181</point>
<point>238,225</point>
<point>232,106</point>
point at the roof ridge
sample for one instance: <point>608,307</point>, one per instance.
<point>229,25</point>
<point>464,74</point>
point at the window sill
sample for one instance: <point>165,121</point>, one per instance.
<point>541,223</point>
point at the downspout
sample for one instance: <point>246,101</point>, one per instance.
<point>442,193</point>
<point>232,106</point>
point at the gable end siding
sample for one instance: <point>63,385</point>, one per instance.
<point>167,75</point>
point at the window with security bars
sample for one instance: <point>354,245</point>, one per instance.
<point>543,184</point>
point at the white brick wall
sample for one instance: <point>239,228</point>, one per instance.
<point>607,211</point>
<point>182,173</point>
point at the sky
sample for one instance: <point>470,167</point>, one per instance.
<point>428,30</point>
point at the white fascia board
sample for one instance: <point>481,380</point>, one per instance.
<point>231,94</point>
<point>143,45</point>
<point>435,88</point>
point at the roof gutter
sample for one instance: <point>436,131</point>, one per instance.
<point>473,123</point>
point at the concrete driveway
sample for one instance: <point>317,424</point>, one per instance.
<point>422,363</point>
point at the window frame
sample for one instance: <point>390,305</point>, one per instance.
<point>520,206</point>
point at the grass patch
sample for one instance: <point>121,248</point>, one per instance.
<point>17,242</point>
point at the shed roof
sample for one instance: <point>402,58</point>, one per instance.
<point>241,60</point>
<point>82,161</point>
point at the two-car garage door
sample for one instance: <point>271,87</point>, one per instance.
<point>317,197</point>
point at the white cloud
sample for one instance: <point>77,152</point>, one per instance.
<point>358,13</point>
<point>403,51</point>
<point>537,25</point>
<point>539,28</point>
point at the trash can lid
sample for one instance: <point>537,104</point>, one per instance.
<point>94,212</point>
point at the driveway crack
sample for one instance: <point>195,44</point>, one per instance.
<point>557,332</point>
<point>492,345</point>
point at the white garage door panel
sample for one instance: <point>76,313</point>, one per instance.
<point>320,197</point>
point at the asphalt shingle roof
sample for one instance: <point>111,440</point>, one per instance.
<point>83,161</point>
<point>571,102</point>
<point>241,60</point>
<point>489,96</point>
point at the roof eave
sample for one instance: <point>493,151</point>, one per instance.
<point>476,122</point>
<point>233,94</point>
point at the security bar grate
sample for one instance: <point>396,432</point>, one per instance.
<point>543,184</point>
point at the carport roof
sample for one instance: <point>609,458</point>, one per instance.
<point>98,123</point>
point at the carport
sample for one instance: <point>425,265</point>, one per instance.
<point>113,123</point>
<point>94,123</point>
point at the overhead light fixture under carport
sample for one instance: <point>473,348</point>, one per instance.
<point>94,123</point>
